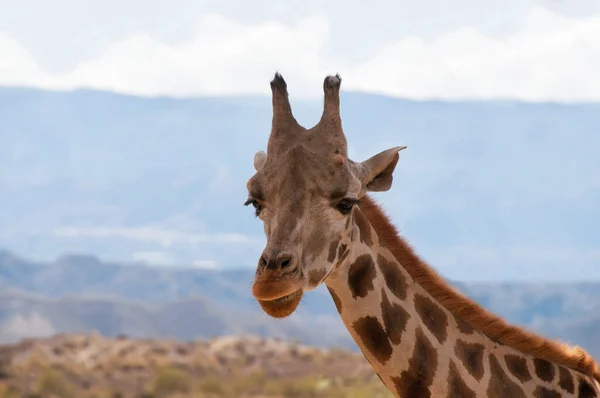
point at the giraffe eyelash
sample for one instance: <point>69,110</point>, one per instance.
<point>257,206</point>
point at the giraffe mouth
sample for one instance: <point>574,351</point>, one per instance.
<point>283,306</point>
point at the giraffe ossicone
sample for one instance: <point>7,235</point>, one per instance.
<point>422,337</point>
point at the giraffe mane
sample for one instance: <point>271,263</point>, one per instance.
<point>491,325</point>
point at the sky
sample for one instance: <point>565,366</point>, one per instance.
<point>529,50</point>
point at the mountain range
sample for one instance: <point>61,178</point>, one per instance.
<point>486,191</point>
<point>81,294</point>
<point>127,216</point>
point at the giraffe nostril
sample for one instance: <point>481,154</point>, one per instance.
<point>276,262</point>
<point>285,261</point>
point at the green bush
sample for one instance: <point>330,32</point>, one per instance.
<point>289,388</point>
<point>214,386</point>
<point>10,392</point>
<point>169,381</point>
<point>52,382</point>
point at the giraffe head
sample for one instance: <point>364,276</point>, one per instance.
<point>304,191</point>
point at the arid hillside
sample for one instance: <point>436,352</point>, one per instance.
<point>90,365</point>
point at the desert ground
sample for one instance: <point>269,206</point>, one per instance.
<point>90,365</point>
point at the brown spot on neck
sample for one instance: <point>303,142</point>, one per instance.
<point>586,390</point>
<point>463,326</point>
<point>395,318</point>
<point>416,381</point>
<point>394,278</point>
<point>566,382</point>
<point>543,392</point>
<point>364,227</point>
<point>544,369</point>
<point>361,275</point>
<point>336,300</point>
<point>457,388</point>
<point>432,316</point>
<point>517,365</point>
<point>374,338</point>
<point>500,384</point>
<point>471,355</point>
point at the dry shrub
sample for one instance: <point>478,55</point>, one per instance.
<point>169,381</point>
<point>54,383</point>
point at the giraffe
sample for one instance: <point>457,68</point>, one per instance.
<point>422,337</point>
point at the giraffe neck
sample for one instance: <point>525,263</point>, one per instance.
<point>397,326</point>
<point>417,346</point>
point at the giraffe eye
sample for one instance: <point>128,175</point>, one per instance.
<point>345,205</point>
<point>257,206</point>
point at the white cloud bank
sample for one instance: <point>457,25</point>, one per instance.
<point>164,237</point>
<point>549,57</point>
<point>152,257</point>
<point>167,259</point>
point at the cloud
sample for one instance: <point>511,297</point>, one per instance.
<point>17,66</point>
<point>204,264</point>
<point>154,257</point>
<point>163,237</point>
<point>223,57</point>
<point>162,258</point>
<point>548,57</point>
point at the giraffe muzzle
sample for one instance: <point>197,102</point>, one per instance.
<point>283,306</point>
<point>277,288</point>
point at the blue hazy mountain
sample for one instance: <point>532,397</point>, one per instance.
<point>77,293</point>
<point>488,191</point>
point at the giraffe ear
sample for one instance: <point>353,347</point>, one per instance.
<point>376,173</point>
<point>259,160</point>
